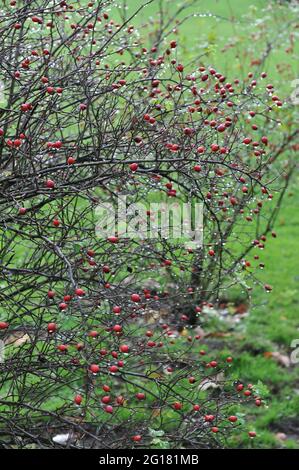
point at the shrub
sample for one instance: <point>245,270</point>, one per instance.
<point>101,342</point>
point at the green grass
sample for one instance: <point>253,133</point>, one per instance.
<point>218,32</point>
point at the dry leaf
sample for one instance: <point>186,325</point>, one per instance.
<point>156,412</point>
<point>281,436</point>
<point>22,340</point>
<point>282,359</point>
<point>17,339</point>
<point>216,382</point>
<point>219,334</point>
<point>184,332</point>
<point>61,439</point>
<point>241,309</point>
<point>268,354</point>
<point>199,331</point>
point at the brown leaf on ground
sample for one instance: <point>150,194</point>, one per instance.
<point>219,334</point>
<point>281,436</point>
<point>281,359</point>
<point>152,316</point>
<point>215,382</point>
<point>17,339</point>
<point>199,331</point>
<point>241,308</point>
<point>156,412</point>
<point>268,354</point>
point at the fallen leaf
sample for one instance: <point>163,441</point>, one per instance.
<point>241,308</point>
<point>61,438</point>
<point>268,354</point>
<point>219,334</point>
<point>282,359</point>
<point>281,436</point>
<point>17,339</point>
<point>184,332</point>
<point>199,331</point>
<point>156,412</point>
<point>216,382</point>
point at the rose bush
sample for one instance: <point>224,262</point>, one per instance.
<point>100,333</point>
